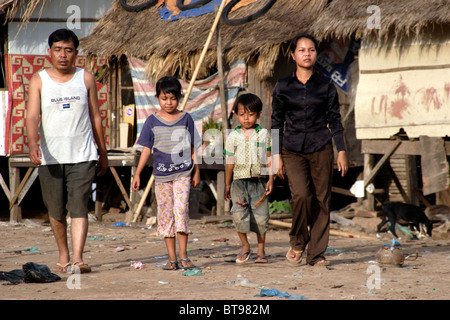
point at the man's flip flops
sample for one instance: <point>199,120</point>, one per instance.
<point>61,267</point>
<point>83,268</point>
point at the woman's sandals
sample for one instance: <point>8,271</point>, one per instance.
<point>297,258</point>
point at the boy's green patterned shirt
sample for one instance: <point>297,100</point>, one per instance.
<point>250,155</point>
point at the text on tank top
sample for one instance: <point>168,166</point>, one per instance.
<point>66,132</point>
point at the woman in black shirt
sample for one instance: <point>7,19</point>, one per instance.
<point>305,111</point>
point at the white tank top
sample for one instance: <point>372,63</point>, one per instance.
<point>66,131</point>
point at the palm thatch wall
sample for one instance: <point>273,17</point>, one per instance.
<point>176,45</point>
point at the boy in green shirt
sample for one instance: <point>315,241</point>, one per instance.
<point>249,180</point>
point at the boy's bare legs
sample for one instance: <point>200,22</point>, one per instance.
<point>245,251</point>
<point>261,238</point>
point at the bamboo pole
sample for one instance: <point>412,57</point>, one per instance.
<point>186,97</point>
<point>223,103</point>
<point>202,56</point>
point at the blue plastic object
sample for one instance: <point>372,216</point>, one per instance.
<point>277,293</point>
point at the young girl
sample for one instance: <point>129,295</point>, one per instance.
<point>171,133</point>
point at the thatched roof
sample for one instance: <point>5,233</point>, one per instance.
<point>176,45</point>
<point>398,18</point>
<point>21,8</point>
<point>24,8</point>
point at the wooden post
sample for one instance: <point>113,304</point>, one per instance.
<point>113,102</point>
<point>412,181</point>
<point>5,187</point>
<point>371,175</point>
<point>222,205</point>
<point>220,192</point>
<point>15,212</point>
<point>369,202</point>
<point>223,103</point>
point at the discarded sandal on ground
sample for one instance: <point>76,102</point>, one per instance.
<point>171,265</point>
<point>242,255</point>
<point>184,264</point>
<point>61,268</point>
<point>84,268</point>
<point>261,259</point>
<point>297,258</point>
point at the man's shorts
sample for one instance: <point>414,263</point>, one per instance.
<point>69,184</point>
<point>250,213</point>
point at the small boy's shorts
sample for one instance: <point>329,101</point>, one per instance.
<point>250,213</point>
<point>69,184</point>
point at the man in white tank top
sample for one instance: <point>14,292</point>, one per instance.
<point>64,100</point>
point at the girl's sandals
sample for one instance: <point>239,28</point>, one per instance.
<point>187,264</point>
<point>297,258</point>
<point>171,265</point>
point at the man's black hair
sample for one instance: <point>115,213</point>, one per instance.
<point>63,35</point>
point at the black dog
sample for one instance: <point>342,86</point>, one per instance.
<point>406,213</point>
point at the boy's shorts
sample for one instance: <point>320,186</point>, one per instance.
<point>69,184</point>
<point>249,213</point>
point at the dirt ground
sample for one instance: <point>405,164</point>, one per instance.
<point>111,250</point>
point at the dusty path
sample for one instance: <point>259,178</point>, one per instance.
<point>111,251</point>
